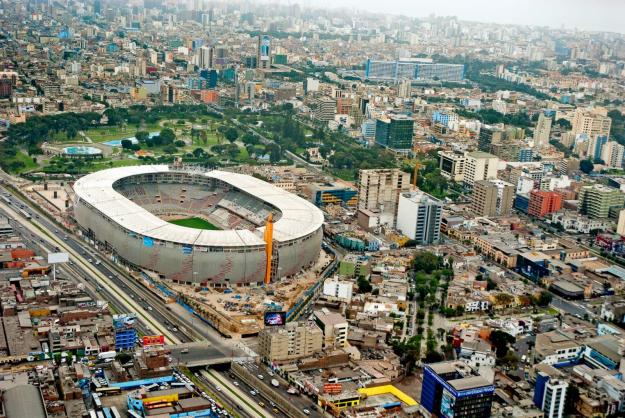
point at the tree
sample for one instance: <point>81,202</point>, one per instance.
<point>142,136</point>
<point>167,136</point>
<point>231,134</point>
<point>565,124</point>
<point>364,286</point>
<point>426,261</point>
<point>198,152</point>
<point>126,143</point>
<point>179,143</point>
<point>500,340</point>
<point>586,166</point>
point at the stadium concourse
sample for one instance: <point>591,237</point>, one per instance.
<point>130,211</point>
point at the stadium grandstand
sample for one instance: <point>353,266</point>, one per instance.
<point>138,213</point>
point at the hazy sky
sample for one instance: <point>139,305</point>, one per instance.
<point>599,15</point>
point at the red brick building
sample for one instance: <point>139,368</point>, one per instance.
<point>543,203</point>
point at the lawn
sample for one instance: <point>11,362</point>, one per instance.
<point>27,164</point>
<point>197,223</point>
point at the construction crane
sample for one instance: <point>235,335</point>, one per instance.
<point>417,166</point>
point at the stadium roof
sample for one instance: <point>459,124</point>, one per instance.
<point>299,217</point>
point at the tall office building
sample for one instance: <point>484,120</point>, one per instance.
<point>169,93</point>
<point>612,154</point>
<point>452,389</point>
<point>479,166</point>
<point>542,203</point>
<point>542,131</point>
<point>404,89</point>
<point>379,190</point>
<point>205,57</point>
<point>263,59</point>
<point>451,165</point>
<point>292,341</point>
<point>412,69</point>
<point>550,395</point>
<point>489,135</point>
<point>395,132</point>
<point>419,217</point>
<point>492,198</point>
<point>595,201</point>
<point>325,109</point>
<point>595,146</point>
<point>591,122</point>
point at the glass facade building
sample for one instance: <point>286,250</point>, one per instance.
<point>412,70</point>
<point>452,389</point>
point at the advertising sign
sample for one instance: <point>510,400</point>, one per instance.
<point>54,258</point>
<point>153,340</point>
<point>332,388</point>
<point>447,404</point>
<point>274,319</point>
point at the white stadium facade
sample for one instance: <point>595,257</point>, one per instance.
<point>127,210</point>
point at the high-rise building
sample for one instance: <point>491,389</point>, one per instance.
<point>453,389</point>
<point>205,57</point>
<point>592,122</point>
<point>489,135</point>
<point>334,328</point>
<point>542,131</point>
<point>379,190</point>
<point>419,217</point>
<point>595,201</point>
<point>550,395</point>
<point>395,132</point>
<point>492,198</point>
<point>405,89</point>
<point>325,109</point>
<point>169,93</point>
<point>407,69</point>
<point>6,88</point>
<point>542,203</point>
<point>451,165</point>
<point>292,341</point>
<point>263,58</point>
<point>479,166</point>
<point>612,154</point>
<point>595,146</point>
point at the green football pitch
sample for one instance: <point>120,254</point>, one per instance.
<point>197,223</point>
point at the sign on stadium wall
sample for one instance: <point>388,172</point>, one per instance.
<point>153,340</point>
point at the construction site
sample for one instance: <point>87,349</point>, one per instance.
<point>238,312</point>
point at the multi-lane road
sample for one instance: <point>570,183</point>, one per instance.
<point>112,284</point>
<point>103,278</point>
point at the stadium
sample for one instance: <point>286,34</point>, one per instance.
<point>214,228</point>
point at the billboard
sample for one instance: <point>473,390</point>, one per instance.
<point>447,404</point>
<point>54,258</point>
<point>274,319</point>
<point>332,388</point>
<point>153,340</point>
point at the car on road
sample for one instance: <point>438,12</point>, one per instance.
<point>261,377</point>
<point>235,383</point>
<point>275,411</point>
<point>218,389</point>
<point>306,411</point>
<point>261,404</point>
<point>253,392</point>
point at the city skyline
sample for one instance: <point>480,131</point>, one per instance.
<point>574,14</point>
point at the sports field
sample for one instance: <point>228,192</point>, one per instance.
<point>197,223</point>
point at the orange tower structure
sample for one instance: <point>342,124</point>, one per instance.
<point>268,246</point>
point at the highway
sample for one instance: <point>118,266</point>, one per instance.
<point>300,401</point>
